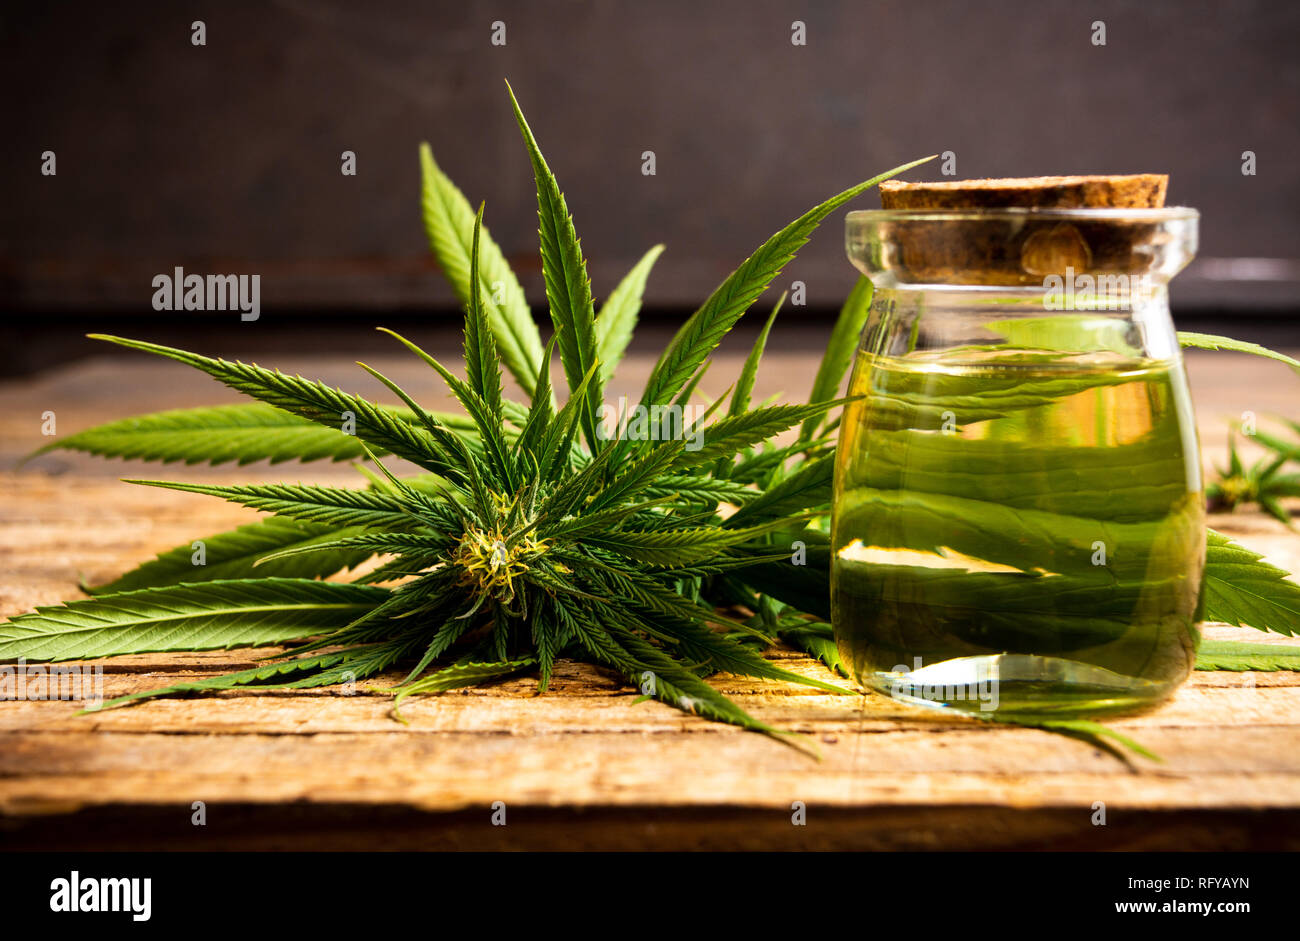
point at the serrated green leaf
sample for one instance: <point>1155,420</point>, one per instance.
<point>242,433</point>
<point>760,465</point>
<point>333,506</point>
<point>1287,449</point>
<point>1206,341</point>
<point>724,438</point>
<point>204,616</point>
<point>718,652</point>
<point>700,335</point>
<point>617,318</point>
<point>567,286</point>
<point>270,674</point>
<point>573,526</point>
<point>1094,733</point>
<point>460,675</point>
<point>806,488</point>
<point>656,600</point>
<point>701,487</point>
<point>1243,590</point>
<point>674,547</point>
<point>449,222</point>
<point>640,474</point>
<point>459,455</point>
<point>327,669</point>
<point>548,641</point>
<point>541,412</point>
<point>1240,656</point>
<point>817,644</point>
<point>487,417</point>
<point>749,372</point>
<point>558,443</point>
<point>572,492</point>
<point>641,662</point>
<point>311,400</point>
<point>231,555</point>
<point>803,587</point>
<point>1284,485</point>
<point>688,390</point>
<point>482,363</point>
<point>840,348</point>
<point>372,543</point>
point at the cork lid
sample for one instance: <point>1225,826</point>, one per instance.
<point>1015,231</point>
<point>1131,191</point>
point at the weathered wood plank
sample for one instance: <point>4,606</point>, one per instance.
<point>457,769</point>
<point>585,699</point>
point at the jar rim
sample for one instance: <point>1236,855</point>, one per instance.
<point>1095,214</point>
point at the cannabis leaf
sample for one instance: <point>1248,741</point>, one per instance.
<point>304,672</point>
<point>1206,341</point>
<point>205,616</point>
<point>840,348</point>
<point>1243,590</point>
<point>1260,483</point>
<point>702,332</point>
<point>334,506</point>
<point>1240,656</point>
<point>567,286</point>
<point>460,675</point>
<point>1093,733</point>
<point>449,222</point>
<point>375,425</point>
<point>1290,450</point>
<point>617,318</point>
<point>214,435</point>
<point>233,554</point>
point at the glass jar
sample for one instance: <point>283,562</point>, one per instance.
<point>1018,519</point>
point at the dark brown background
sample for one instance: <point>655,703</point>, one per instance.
<point>225,158</point>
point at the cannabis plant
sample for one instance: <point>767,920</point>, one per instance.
<point>530,532</point>
<point>1261,483</point>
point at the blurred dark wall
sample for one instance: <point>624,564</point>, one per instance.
<point>226,157</point>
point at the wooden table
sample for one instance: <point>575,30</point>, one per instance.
<point>582,766</point>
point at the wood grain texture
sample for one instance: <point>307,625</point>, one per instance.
<point>582,766</point>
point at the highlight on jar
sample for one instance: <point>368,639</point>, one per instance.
<point>1019,516</point>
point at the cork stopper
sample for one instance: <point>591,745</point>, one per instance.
<point>1019,251</point>
<point>1134,191</point>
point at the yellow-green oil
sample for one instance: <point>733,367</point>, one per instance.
<point>1022,533</point>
